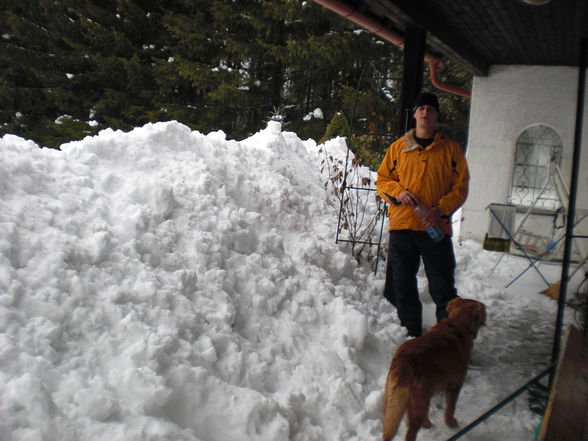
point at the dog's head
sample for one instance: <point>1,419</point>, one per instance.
<point>470,312</point>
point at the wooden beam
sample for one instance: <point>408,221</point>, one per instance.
<point>567,408</point>
<point>412,75</point>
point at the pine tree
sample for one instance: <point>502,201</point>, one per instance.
<point>211,64</point>
<point>33,72</point>
<point>82,60</point>
<point>337,127</point>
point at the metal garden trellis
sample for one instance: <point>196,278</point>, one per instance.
<point>345,188</point>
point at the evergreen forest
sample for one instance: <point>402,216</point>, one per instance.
<point>70,68</point>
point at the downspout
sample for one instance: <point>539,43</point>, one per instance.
<point>376,26</point>
<point>433,66</point>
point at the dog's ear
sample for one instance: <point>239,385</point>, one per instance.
<point>474,315</point>
<point>453,304</point>
<point>478,317</point>
<point>481,311</point>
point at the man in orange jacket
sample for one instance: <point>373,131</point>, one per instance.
<point>423,168</point>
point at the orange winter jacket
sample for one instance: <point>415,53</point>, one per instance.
<point>437,175</point>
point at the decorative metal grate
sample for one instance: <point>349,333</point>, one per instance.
<point>536,148</point>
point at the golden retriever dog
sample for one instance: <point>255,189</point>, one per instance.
<point>433,363</point>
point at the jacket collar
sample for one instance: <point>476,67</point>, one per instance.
<point>413,145</point>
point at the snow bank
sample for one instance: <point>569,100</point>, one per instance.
<point>163,284</point>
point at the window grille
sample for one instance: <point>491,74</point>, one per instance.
<point>535,149</point>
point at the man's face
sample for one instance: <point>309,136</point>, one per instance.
<point>426,116</point>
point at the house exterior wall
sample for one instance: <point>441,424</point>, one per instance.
<point>505,103</point>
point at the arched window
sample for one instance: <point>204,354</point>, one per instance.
<point>538,153</point>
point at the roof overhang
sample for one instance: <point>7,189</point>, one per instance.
<point>478,34</point>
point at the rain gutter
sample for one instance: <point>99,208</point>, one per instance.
<point>377,26</point>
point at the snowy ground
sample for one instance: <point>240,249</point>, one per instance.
<point>164,285</point>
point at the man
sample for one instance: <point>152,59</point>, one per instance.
<point>423,167</point>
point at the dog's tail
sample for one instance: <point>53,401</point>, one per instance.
<point>395,404</point>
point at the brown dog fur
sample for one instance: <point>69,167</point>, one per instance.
<point>433,363</point>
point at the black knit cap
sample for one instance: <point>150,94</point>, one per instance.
<point>428,99</point>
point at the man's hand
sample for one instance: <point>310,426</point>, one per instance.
<point>432,217</point>
<point>407,198</point>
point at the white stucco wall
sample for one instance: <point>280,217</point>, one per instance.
<point>505,103</point>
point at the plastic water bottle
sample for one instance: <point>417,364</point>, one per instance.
<point>433,231</point>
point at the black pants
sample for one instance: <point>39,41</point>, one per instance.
<point>406,250</point>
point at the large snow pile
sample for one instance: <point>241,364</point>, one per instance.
<point>163,285</point>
